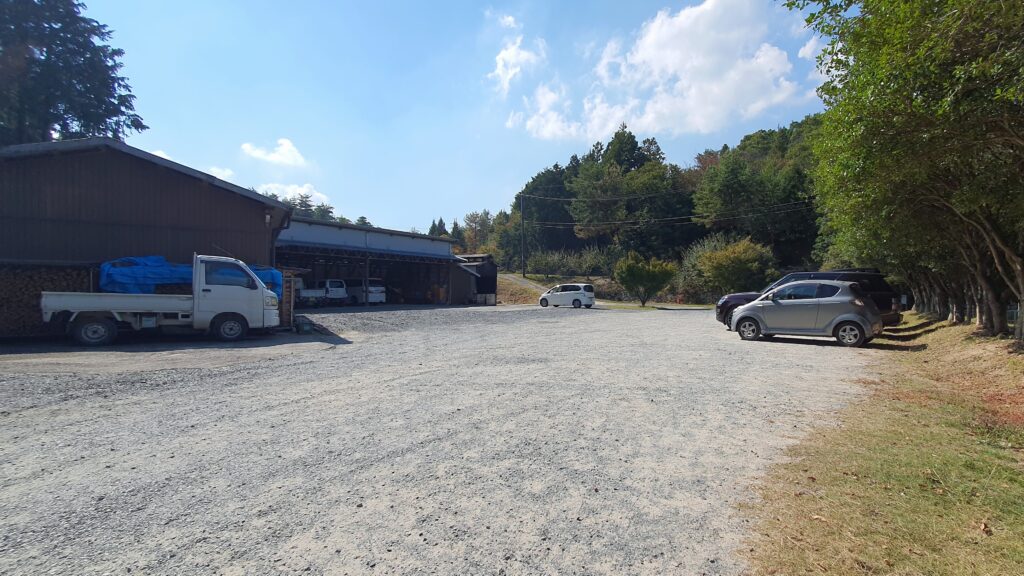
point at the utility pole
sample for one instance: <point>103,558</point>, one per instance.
<point>522,230</point>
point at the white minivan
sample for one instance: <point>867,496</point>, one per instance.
<point>574,295</point>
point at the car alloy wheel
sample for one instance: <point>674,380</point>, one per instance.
<point>748,329</point>
<point>849,334</point>
<point>576,303</point>
<point>543,302</point>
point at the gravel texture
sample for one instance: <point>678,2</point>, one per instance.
<point>513,440</point>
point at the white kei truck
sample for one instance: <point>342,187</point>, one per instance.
<point>323,293</point>
<point>227,301</point>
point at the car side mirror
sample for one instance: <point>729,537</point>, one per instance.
<point>774,297</point>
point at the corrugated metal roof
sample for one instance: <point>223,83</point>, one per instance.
<point>284,243</point>
<point>64,146</point>
<point>371,229</point>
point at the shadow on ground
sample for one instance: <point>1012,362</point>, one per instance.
<point>873,345</point>
<point>155,342</point>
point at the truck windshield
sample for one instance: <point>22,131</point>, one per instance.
<point>228,274</point>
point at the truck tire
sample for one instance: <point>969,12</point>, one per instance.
<point>94,331</point>
<point>229,327</point>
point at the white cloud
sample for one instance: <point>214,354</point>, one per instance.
<point>222,173</point>
<point>512,60</point>
<point>609,68</point>
<point>547,120</point>
<point>515,118</point>
<point>604,118</point>
<point>811,49</point>
<point>162,154</point>
<point>705,65</point>
<point>292,191</point>
<point>285,154</point>
<point>507,21</point>
<point>695,70</point>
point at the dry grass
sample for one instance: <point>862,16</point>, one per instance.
<point>923,477</point>
<point>509,292</point>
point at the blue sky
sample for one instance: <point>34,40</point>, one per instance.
<point>407,111</point>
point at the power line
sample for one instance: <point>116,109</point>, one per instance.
<point>672,220</point>
<point>607,199</point>
<point>689,216</point>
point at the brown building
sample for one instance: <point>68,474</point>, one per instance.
<point>67,206</point>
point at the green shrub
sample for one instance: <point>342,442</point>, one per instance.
<point>587,262</point>
<point>743,266</point>
<point>691,286</point>
<point>643,278</point>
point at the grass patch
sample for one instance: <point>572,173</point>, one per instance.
<point>925,476</point>
<point>511,292</point>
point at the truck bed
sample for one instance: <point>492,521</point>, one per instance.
<point>53,302</point>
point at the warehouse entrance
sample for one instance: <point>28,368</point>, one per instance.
<point>407,279</point>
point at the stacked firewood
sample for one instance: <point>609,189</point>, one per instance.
<point>20,288</point>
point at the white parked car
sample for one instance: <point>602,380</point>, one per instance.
<point>377,290</point>
<point>574,295</point>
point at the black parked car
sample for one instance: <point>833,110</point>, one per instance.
<point>870,280</point>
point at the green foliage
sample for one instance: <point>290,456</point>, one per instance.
<point>592,261</point>
<point>762,189</point>
<point>921,158</point>
<point>643,278</point>
<point>58,76</point>
<point>363,221</point>
<point>691,285</point>
<point>742,266</point>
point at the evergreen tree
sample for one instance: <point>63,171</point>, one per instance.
<point>58,76</point>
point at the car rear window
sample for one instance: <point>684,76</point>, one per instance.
<point>858,290</point>
<point>869,282</point>
<point>827,291</point>
<point>588,288</point>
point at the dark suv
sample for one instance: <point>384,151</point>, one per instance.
<point>870,280</point>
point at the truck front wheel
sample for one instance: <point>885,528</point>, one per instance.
<point>94,331</point>
<point>229,327</point>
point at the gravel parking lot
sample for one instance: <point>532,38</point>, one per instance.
<point>514,440</point>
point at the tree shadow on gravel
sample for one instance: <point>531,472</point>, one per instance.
<point>873,345</point>
<point>155,342</point>
<point>908,336</point>
<point>905,329</point>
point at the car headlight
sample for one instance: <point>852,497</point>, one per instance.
<point>858,301</point>
<point>270,302</point>
<point>720,300</point>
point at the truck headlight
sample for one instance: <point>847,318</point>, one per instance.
<point>270,302</point>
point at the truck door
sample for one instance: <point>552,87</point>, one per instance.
<point>225,286</point>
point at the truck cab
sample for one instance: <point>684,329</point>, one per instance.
<point>224,286</point>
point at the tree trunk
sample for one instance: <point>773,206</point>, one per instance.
<point>997,314</point>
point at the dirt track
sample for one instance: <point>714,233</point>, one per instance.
<point>448,441</point>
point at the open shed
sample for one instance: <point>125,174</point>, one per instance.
<point>413,267</point>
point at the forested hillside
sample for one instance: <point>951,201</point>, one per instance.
<point>626,196</point>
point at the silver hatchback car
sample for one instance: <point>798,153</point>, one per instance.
<point>840,310</point>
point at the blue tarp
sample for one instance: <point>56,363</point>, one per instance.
<point>142,274</point>
<point>272,277</point>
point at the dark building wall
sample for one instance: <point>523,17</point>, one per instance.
<point>99,204</point>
